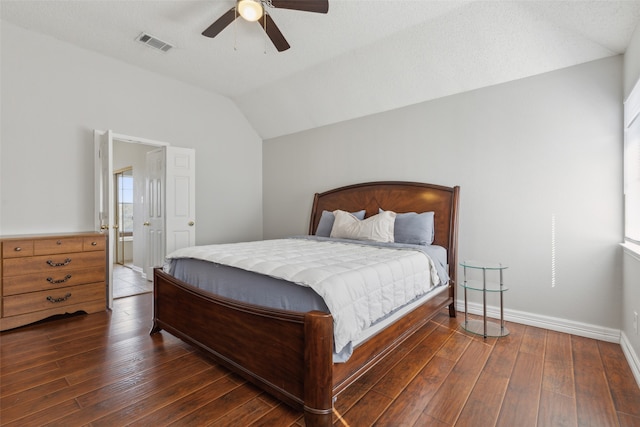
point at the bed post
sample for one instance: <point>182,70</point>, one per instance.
<point>155,327</point>
<point>453,250</point>
<point>318,373</point>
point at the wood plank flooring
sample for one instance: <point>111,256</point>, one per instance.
<point>105,369</point>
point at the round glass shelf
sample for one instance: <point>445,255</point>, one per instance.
<point>477,327</point>
<point>478,285</point>
<point>480,265</point>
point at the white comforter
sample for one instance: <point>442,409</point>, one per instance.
<point>360,284</point>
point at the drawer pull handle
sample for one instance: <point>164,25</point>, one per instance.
<point>61,299</point>
<point>17,249</point>
<point>50,279</point>
<point>94,243</point>
<point>59,264</point>
<point>59,242</point>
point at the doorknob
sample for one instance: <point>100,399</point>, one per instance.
<point>104,227</point>
<point>191,223</point>
<point>146,223</point>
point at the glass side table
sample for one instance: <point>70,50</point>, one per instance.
<point>484,327</point>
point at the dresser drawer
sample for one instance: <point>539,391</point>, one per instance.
<point>57,245</point>
<point>94,243</point>
<point>58,264</point>
<point>17,248</point>
<point>35,301</point>
<point>52,280</point>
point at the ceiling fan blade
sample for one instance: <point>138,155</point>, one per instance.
<point>318,6</point>
<point>222,22</point>
<point>274,33</point>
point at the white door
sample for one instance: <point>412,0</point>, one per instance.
<point>154,207</point>
<point>104,192</point>
<point>180,198</point>
<point>169,204</point>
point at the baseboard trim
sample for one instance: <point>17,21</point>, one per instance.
<point>632,357</point>
<point>139,270</point>
<point>546,322</point>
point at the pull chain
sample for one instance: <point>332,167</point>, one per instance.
<point>235,30</point>
<point>265,32</point>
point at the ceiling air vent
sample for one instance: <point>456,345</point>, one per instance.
<point>154,42</point>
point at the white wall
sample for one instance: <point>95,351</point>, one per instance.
<point>521,152</point>
<point>55,94</point>
<point>631,303</point>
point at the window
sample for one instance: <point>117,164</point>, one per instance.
<point>632,166</point>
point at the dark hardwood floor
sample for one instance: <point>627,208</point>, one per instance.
<point>105,369</point>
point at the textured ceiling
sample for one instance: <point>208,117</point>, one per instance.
<point>363,57</point>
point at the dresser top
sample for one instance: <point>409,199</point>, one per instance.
<point>50,235</point>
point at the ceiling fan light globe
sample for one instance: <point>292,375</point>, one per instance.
<point>250,10</point>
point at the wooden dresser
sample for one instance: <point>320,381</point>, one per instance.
<point>45,275</point>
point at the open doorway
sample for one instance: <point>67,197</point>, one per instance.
<point>129,251</point>
<point>163,198</point>
<point>127,279</point>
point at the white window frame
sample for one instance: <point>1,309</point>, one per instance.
<point>632,169</point>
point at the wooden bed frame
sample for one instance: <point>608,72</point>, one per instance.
<point>289,354</point>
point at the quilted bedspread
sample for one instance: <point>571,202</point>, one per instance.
<point>359,283</point>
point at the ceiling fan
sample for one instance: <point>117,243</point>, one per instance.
<point>254,10</point>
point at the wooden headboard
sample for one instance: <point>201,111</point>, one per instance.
<point>399,197</point>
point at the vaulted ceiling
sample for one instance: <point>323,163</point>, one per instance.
<point>361,58</point>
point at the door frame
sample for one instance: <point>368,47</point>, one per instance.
<point>97,135</point>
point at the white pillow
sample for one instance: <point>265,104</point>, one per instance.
<point>377,228</point>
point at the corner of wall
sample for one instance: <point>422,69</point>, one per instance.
<point>632,357</point>
<point>631,73</point>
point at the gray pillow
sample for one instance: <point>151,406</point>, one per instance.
<point>414,228</point>
<point>326,222</point>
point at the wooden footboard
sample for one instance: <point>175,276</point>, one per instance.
<point>287,354</point>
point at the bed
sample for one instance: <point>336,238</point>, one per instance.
<point>290,354</point>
